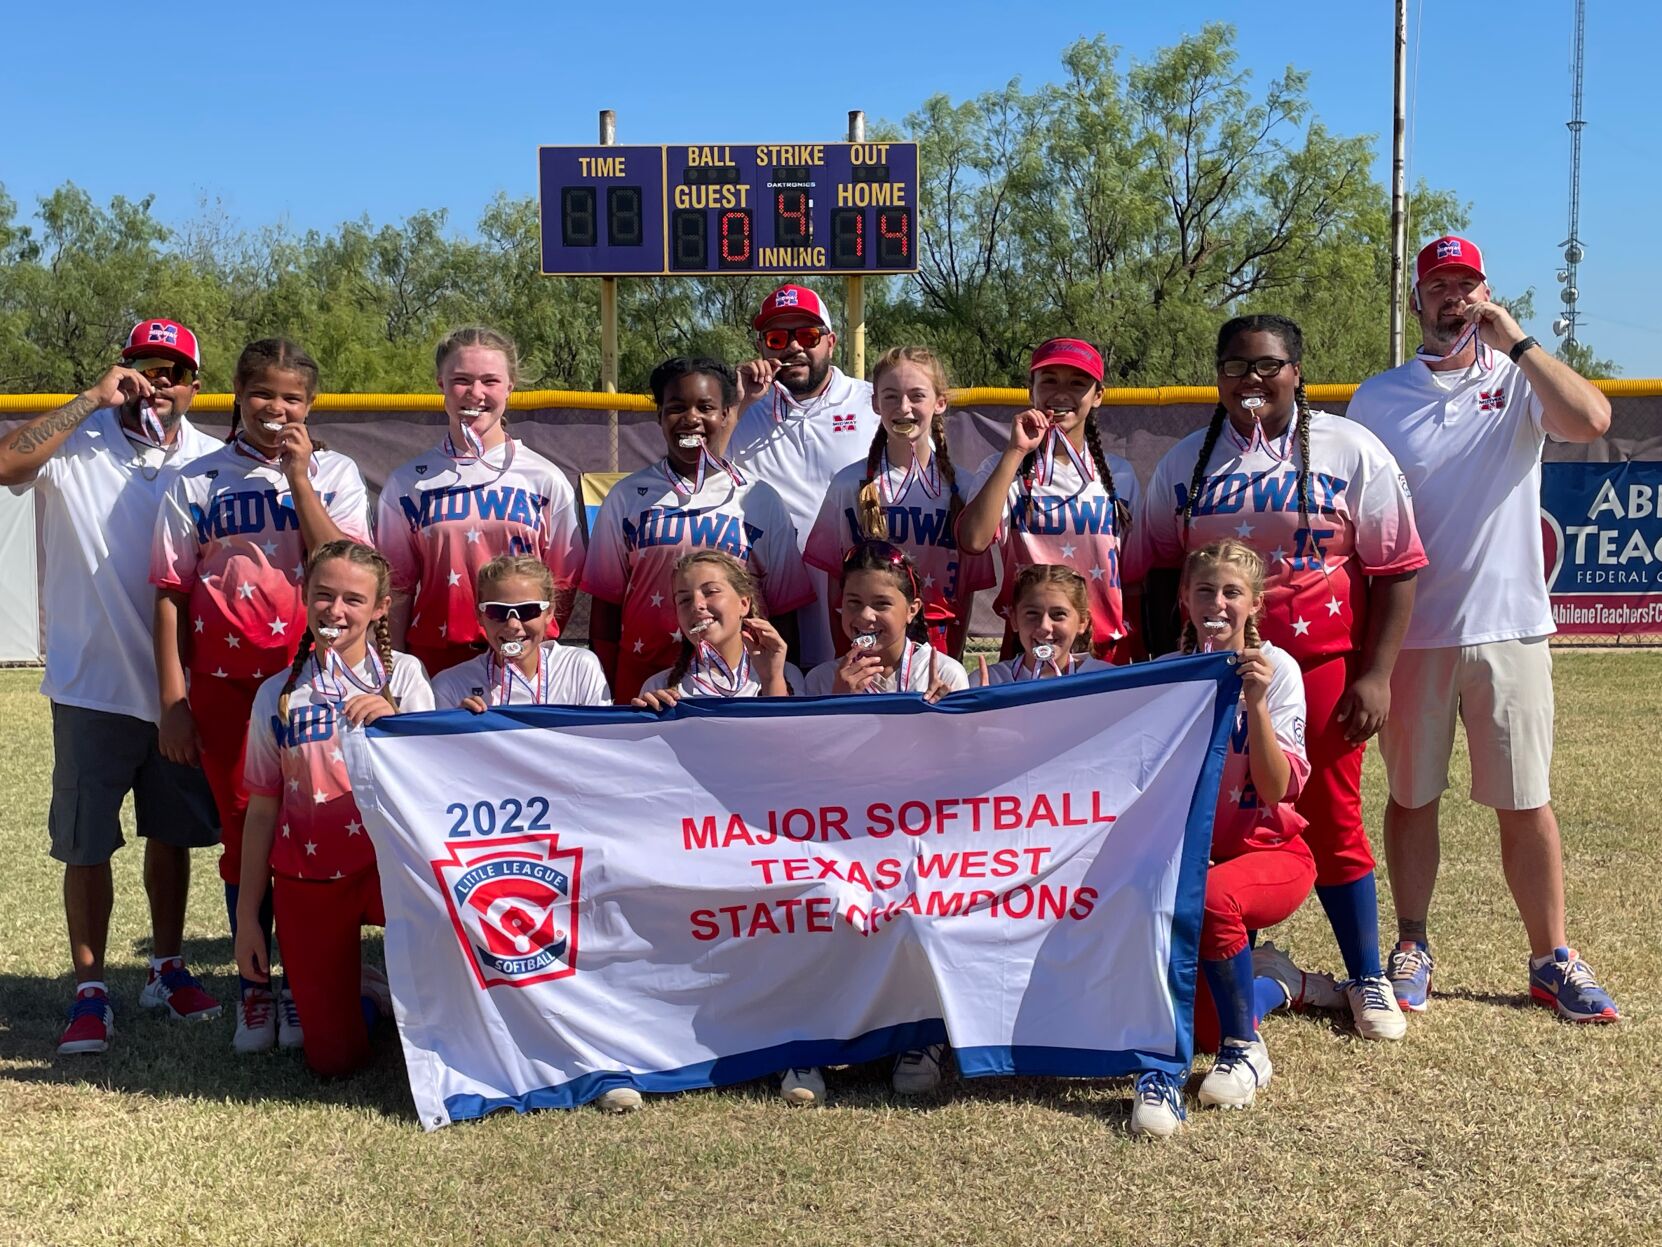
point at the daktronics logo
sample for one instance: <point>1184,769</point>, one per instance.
<point>513,903</point>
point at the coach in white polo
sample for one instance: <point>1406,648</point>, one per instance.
<point>1465,420</point>
<point>801,422</point>
<point>99,466</point>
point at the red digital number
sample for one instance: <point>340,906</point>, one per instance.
<point>894,232</point>
<point>735,238</point>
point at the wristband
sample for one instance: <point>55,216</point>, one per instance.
<point>1517,352</point>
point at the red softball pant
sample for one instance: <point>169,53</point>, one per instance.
<point>221,708</point>
<point>1247,893</point>
<point>1332,798</point>
<point>321,921</point>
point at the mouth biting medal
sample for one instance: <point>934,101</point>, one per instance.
<point>512,649</point>
<point>866,640</point>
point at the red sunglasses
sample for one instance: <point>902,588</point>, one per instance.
<point>805,336</point>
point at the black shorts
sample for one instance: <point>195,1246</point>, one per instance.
<point>97,759</point>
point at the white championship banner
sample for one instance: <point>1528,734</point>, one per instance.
<point>579,899</point>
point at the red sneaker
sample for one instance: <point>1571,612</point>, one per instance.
<point>91,1023</point>
<point>177,990</point>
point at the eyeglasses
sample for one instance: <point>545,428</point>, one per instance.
<point>163,370</point>
<point>891,555</point>
<point>1266,366</point>
<point>805,336</point>
<point>502,612</point>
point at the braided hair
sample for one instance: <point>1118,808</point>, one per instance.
<point>1119,510</point>
<point>874,516</point>
<point>738,577</point>
<point>357,553</point>
<point>278,354</point>
<point>1227,553</point>
<point>874,519</point>
<point>1292,342</point>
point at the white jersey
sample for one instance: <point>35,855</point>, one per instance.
<point>99,496</point>
<point>694,685</point>
<point>1020,668</point>
<point>566,676</point>
<point>920,668</point>
<point>1472,456</point>
<point>442,517</point>
<point>797,448</point>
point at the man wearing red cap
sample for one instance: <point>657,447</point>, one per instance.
<point>100,465</point>
<point>802,421</point>
<point>1466,419</point>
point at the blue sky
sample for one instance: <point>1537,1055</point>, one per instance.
<point>311,114</point>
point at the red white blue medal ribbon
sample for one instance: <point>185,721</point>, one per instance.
<point>902,672</point>
<point>684,489</point>
<point>1024,672</point>
<point>1459,345</point>
<point>154,434</point>
<point>536,687</point>
<point>711,674</point>
<point>929,478</point>
<point>1045,471</point>
<point>248,450</point>
<point>331,676</point>
<point>477,447</point>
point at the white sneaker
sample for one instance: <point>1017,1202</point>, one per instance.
<point>803,1087</point>
<point>289,1034</point>
<point>1240,1070</point>
<point>918,1072</point>
<point>1157,1109</point>
<point>256,1022</point>
<point>1374,1007</point>
<point>620,1100</point>
<point>1306,989</point>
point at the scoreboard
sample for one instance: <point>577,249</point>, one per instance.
<point>714,208</point>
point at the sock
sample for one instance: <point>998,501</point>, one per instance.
<point>1231,982</point>
<point>1353,912</point>
<point>232,891</point>
<point>91,985</point>
<point>370,1012</point>
<point>1268,996</point>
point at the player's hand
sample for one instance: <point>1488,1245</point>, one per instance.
<point>765,645</point>
<point>1495,325</point>
<point>253,958</point>
<point>1029,430</point>
<point>1364,707</point>
<point>1255,672</point>
<point>475,704</point>
<point>982,659</point>
<point>294,449</point>
<point>177,737</point>
<point>857,670</point>
<point>658,699</point>
<point>756,379</point>
<point>365,708</point>
<point>118,385</point>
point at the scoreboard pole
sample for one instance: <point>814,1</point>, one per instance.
<point>608,318</point>
<point>856,286</point>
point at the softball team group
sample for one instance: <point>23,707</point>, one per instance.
<point>803,533</point>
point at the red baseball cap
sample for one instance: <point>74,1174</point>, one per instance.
<point>1070,351</point>
<point>1448,252</point>
<point>165,338</point>
<point>791,300</point>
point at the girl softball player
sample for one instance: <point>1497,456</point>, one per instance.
<point>1055,496</point>
<point>477,494</point>
<point>521,667</point>
<point>727,649</point>
<point>1322,502</point>
<point>905,492</point>
<point>690,499</point>
<point>303,832</point>
<point>1261,869</point>
<point>227,558</point>
<point>1050,610</point>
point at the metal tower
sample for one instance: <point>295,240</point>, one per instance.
<point>1565,325</point>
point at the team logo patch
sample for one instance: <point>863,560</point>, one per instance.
<point>168,335</point>
<point>785,298</point>
<point>421,469</point>
<point>1447,248</point>
<point>513,903</point>
<point>1491,400</point>
<point>843,422</point>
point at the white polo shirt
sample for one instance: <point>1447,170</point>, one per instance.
<point>99,495</point>
<point>797,448</point>
<point>1472,457</point>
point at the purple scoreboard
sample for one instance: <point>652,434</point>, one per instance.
<point>826,208</point>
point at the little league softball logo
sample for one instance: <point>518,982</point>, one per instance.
<point>513,902</point>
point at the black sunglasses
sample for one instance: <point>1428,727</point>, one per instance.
<point>1265,366</point>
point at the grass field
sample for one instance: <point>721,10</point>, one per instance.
<point>1491,1123</point>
